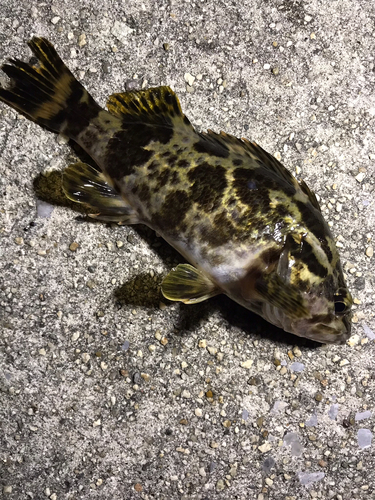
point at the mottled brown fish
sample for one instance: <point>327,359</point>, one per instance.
<point>244,223</point>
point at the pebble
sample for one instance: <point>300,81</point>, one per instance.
<point>297,352</point>
<point>202,472</point>
<point>189,79</point>
<point>19,240</point>
<point>7,490</point>
<point>185,394</point>
<point>247,364</point>
<point>198,412</point>
<point>265,447</point>
<point>360,177</point>
<point>85,357</point>
<point>73,246</point>
<point>55,20</point>
<point>220,485</point>
<point>344,362</point>
<point>202,343</point>
<point>212,350</point>
<point>119,244</point>
<point>152,348</point>
<point>370,251</point>
<point>82,40</point>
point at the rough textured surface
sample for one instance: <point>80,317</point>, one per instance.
<point>106,393</point>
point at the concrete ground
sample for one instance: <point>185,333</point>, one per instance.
<point>107,391</point>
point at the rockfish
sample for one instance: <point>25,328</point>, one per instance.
<point>246,226</point>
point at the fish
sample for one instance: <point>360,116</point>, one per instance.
<point>243,223</point>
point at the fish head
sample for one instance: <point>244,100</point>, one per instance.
<point>328,320</point>
<point>302,290</point>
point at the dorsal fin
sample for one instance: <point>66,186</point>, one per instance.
<point>232,144</point>
<point>270,162</point>
<point>157,106</point>
<point>311,196</point>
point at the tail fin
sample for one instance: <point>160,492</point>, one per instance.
<point>48,93</point>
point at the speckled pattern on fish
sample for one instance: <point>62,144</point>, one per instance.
<point>242,221</point>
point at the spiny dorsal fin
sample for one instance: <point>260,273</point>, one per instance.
<point>84,184</point>
<point>187,284</point>
<point>157,106</point>
<point>242,146</point>
<point>269,161</point>
<point>311,196</point>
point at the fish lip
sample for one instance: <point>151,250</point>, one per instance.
<point>326,334</point>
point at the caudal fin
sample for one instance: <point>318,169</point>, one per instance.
<point>48,93</point>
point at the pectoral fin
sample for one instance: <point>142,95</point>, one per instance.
<point>279,294</point>
<point>187,284</point>
<point>82,183</point>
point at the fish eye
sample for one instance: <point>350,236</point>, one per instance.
<point>340,307</point>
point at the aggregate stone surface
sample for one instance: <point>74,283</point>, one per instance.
<point>109,392</point>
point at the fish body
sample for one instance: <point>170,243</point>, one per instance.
<point>245,225</point>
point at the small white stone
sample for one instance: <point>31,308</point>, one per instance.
<point>353,341</point>
<point>267,66</point>
<point>96,423</point>
<point>55,20</point>
<point>198,412</point>
<point>82,40</point>
<point>265,447</point>
<point>189,79</point>
<point>75,336</point>
<point>85,357</point>
<point>360,176</point>
<point>185,394</point>
<point>202,472</point>
<point>247,364</point>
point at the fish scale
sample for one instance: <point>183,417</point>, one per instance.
<point>245,225</point>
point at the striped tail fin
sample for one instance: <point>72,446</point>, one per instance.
<point>48,93</point>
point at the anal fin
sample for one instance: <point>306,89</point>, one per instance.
<point>84,184</point>
<point>187,284</point>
